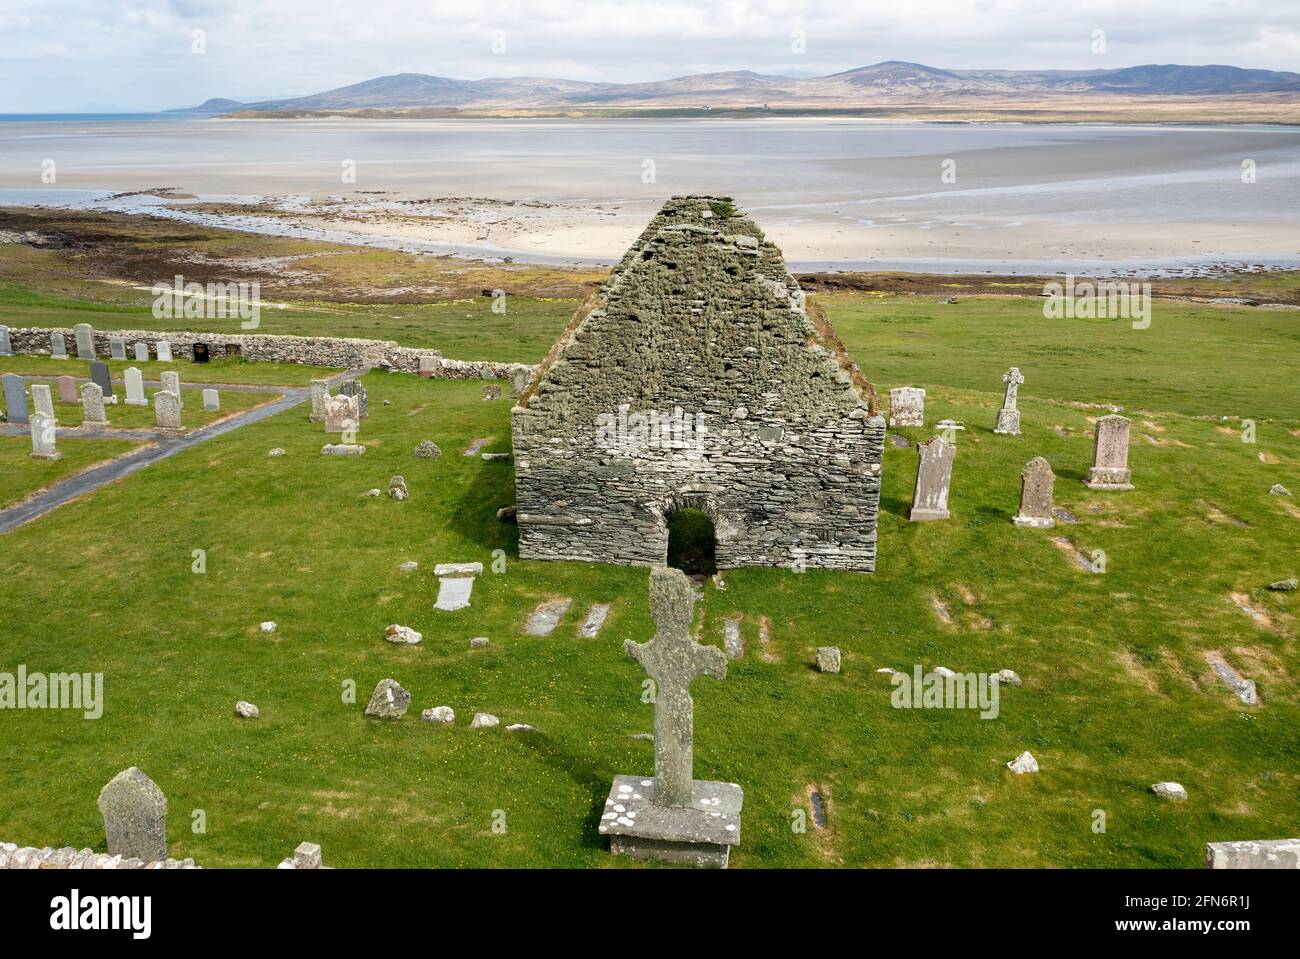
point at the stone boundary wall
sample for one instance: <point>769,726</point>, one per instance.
<point>330,351</point>
<point>27,857</point>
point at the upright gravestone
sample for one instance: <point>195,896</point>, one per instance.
<point>200,352</point>
<point>142,352</point>
<point>171,382</point>
<point>134,387</point>
<point>167,410</point>
<point>319,390</point>
<point>428,363</point>
<point>15,398</point>
<point>117,347</point>
<point>519,381</point>
<point>211,401</point>
<point>43,447</point>
<point>58,346</point>
<point>6,349</point>
<point>42,399</point>
<point>99,374</point>
<point>135,817</point>
<point>164,350</point>
<point>933,479</point>
<point>673,817</point>
<point>92,405</point>
<point>85,341</point>
<point>1036,482</point>
<point>67,389</point>
<point>1009,415</point>
<point>354,388</point>
<point>907,406</point>
<point>341,414</point>
<point>1109,469</point>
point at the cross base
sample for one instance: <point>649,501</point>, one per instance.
<point>700,834</point>
<point>1034,522</point>
<point>1008,423</point>
<point>919,515</point>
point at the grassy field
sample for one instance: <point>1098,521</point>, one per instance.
<point>20,475</point>
<point>1116,696</point>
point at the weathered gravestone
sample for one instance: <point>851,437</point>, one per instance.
<point>67,389</point>
<point>1253,854</point>
<point>85,341</point>
<point>1109,469</point>
<point>42,399</point>
<point>355,389</point>
<point>92,405</point>
<point>933,478</point>
<point>167,410</point>
<point>455,584</point>
<point>100,376</point>
<point>135,817</point>
<point>117,347</point>
<point>134,387</point>
<point>519,381</point>
<point>341,414</point>
<point>211,400</point>
<point>907,406</point>
<point>43,436</point>
<point>1036,495</point>
<point>58,346</point>
<point>171,383</point>
<point>491,391</point>
<point>320,389</point>
<point>673,817</point>
<point>142,352</point>
<point>15,398</point>
<point>428,363</point>
<point>6,349</point>
<point>1009,415</point>
<point>164,350</point>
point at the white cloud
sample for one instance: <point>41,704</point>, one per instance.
<point>66,54</point>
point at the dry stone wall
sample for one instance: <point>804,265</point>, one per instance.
<point>700,324</point>
<point>327,351</point>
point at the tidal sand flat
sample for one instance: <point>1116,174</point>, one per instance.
<point>832,192</point>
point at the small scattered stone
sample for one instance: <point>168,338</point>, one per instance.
<point>519,728</point>
<point>397,488</point>
<point>402,634</point>
<point>1064,515</point>
<point>1007,677</point>
<point>1171,791</point>
<point>643,737</point>
<point>495,457</point>
<point>484,721</point>
<point>277,451</point>
<point>944,671</point>
<point>247,710</point>
<point>1277,489</point>
<point>389,700</point>
<point>267,627</point>
<point>902,442</point>
<point>478,642</point>
<point>374,491</point>
<point>507,514</point>
<point>428,450</point>
<point>828,659</point>
<point>342,449</point>
<point>1024,763</point>
<point>1284,585</point>
<point>410,566</point>
<point>439,714</point>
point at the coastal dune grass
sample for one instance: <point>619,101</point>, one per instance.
<point>1117,694</point>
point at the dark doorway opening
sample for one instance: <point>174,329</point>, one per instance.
<point>692,546</point>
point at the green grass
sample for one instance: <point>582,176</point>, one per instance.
<point>466,329</point>
<point>1116,696</point>
<point>20,475</point>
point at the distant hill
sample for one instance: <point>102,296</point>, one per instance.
<point>889,80</point>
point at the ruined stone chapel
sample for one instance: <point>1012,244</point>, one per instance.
<point>699,378</point>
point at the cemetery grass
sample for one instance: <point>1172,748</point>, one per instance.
<point>20,475</point>
<point>232,370</point>
<point>1116,696</point>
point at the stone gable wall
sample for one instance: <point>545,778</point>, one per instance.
<point>327,351</point>
<point>701,316</point>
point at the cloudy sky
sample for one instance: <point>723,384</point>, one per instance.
<point>72,55</point>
